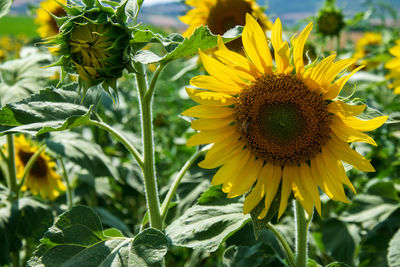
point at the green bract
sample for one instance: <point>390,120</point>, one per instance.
<point>94,43</point>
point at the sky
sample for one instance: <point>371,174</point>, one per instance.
<point>152,2</point>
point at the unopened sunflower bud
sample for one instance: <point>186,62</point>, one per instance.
<point>94,43</point>
<point>330,20</point>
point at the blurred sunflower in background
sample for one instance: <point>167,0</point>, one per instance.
<point>42,179</point>
<point>279,127</point>
<point>222,15</point>
<point>47,24</point>
<point>363,46</point>
<point>393,66</point>
<point>330,19</point>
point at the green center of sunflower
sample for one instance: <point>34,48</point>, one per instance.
<point>281,120</point>
<point>39,168</point>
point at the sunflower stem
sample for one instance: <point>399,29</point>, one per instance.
<point>12,172</point>
<point>284,244</point>
<point>134,152</point>
<point>301,235</point>
<point>69,189</point>
<point>29,166</point>
<point>176,182</point>
<point>149,174</point>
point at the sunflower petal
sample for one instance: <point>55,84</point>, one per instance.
<point>298,49</point>
<point>233,166</point>
<point>242,182</point>
<point>349,134</point>
<point>336,87</point>
<point>286,188</point>
<point>210,124</point>
<point>346,110</point>
<point>210,98</point>
<point>308,182</point>
<point>210,83</point>
<point>208,112</point>
<point>272,182</point>
<point>363,125</point>
<point>210,136</point>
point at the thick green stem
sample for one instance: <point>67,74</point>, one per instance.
<point>15,258</point>
<point>284,244</point>
<point>122,139</point>
<point>69,189</point>
<point>149,175</point>
<point>12,173</point>
<point>301,235</point>
<point>176,182</point>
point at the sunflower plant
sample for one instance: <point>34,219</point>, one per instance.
<point>269,129</point>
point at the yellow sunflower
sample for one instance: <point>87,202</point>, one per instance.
<point>222,15</point>
<point>394,67</point>
<point>368,39</point>
<point>278,127</point>
<point>42,179</point>
<point>47,24</point>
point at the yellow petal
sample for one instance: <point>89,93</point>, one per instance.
<point>298,49</point>
<point>211,124</point>
<point>276,39</point>
<point>393,63</point>
<point>210,83</point>
<point>286,188</point>
<point>273,176</point>
<point>329,180</point>
<point>220,71</point>
<point>335,88</point>
<point>210,98</point>
<point>349,134</point>
<point>222,152</point>
<point>319,71</point>
<point>233,166</point>
<point>208,112</point>
<point>210,136</point>
<point>343,152</point>
<point>336,167</point>
<point>363,125</point>
<point>300,192</point>
<point>343,109</point>
<point>308,182</point>
<point>243,181</point>
<point>284,54</point>
<point>335,69</point>
<point>319,179</point>
<point>256,46</point>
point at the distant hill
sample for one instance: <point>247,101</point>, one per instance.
<point>290,11</point>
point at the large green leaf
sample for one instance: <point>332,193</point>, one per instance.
<point>77,239</point>
<point>85,153</point>
<point>201,39</point>
<point>5,6</point>
<point>393,255</point>
<point>24,76</point>
<point>257,255</point>
<point>207,226</point>
<point>338,240</point>
<point>50,110</point>
<point>132,8</point>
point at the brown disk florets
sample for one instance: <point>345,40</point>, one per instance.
<point>281,120</point>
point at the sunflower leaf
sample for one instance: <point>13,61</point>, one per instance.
<point>78,236</point>
<point>5,6</point>
<point>207,226</point>
<point>179,47</point>
<point>49,110</point>
<point>393,255</point>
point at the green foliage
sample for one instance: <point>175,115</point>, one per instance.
<point>77,237</point>
<point>393,256</point>
<point>5,6</point>
<point>49,110</point>
<point>17,25</point>
<point>207,225</point>
<point>201,39</point>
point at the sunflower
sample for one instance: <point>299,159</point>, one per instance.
<point>44,17</point>
<point>330,19</point>
<point>278,127</point>
<point>363,44</point>
<point>393,66</point>
<point>42,179</point>
<point>222,15</point>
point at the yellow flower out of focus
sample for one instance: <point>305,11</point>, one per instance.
<point>42,179</point>
<point>394,67</point>
<point>222,15</point>
<point>279,127</point>
<point>369,39</point>
<point>47,24</point>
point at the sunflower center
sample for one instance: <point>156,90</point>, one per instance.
<point>281,120</point>
<point>39,168</point>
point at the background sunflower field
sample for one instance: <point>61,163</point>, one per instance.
<point>72,183</point>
